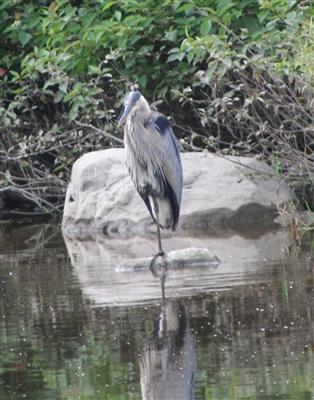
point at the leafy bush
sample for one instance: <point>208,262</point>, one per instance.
<point>160,44</point>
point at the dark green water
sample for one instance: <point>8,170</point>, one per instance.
<point>251,336</point>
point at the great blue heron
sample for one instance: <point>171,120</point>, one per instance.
<point>153,160</point>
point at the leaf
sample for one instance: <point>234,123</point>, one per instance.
<point>227,62</point>
<point>186,7</point>
<point>175,57</point>
<point>174,50</point>
<point>52,6</point>
<point>108,5</point>
<point>212,67</point>
<point>250,23</point>
<point>187,31</point>
<point>58,96</point>
<point>15,75</point>
<point>271,25</point>
<point>263,15</point>
<point>142,80</point>
<point>63,86</point>
<point>93,69</point>
<point>190,56</point>
<point>50,82</point>
<point>98,36</point>
<point>118,15</point>
<point>171,35</point>
<point>222,33</point>
<point>226,7</point>
<point>205,27</point>
<point>24,37</point>
<point>129,62</point>
<point>226,19</point>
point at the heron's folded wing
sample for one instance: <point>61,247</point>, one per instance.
<point>171,163</point>
<point>172,167</point>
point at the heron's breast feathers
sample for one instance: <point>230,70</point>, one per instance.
<point>145,160</point>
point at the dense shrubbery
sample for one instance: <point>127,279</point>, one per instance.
<point>236,73</point>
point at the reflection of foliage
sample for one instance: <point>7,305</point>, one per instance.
<point>64,65</point>
<point>281,380</point>
<point>256,347</point>
<point>94,372</point>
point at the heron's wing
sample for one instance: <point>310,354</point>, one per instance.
<point>171,160</point>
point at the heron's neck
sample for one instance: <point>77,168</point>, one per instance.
<point>142,112</point>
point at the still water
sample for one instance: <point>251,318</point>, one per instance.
<point>75,325</point>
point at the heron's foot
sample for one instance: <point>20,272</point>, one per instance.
<point>159,263</point>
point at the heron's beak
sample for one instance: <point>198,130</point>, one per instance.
<point>124,113</point>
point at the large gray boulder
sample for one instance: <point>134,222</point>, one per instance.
<point>222,195</point>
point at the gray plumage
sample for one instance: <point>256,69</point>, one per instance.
<point>153,160</point>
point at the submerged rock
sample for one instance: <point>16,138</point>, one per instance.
<point>221,194</point>
<point>176,259</point>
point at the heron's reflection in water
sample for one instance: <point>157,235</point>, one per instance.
<point>167,365</point>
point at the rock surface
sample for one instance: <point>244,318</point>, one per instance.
<point>191,257</point>
<point>220,194</point>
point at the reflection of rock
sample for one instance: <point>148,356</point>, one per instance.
<point>168,362</point>
<point>96,263</point>
<point>219,194</point>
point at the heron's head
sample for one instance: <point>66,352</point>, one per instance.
<point>132,103</point>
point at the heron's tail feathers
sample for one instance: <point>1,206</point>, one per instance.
<point>165,213</point>
<point>168,212</point>
<point>169,208</point>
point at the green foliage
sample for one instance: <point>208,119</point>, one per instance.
<point>277,165</point>
<point>159,44</point>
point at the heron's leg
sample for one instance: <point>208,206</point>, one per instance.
<point>156,208</point>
